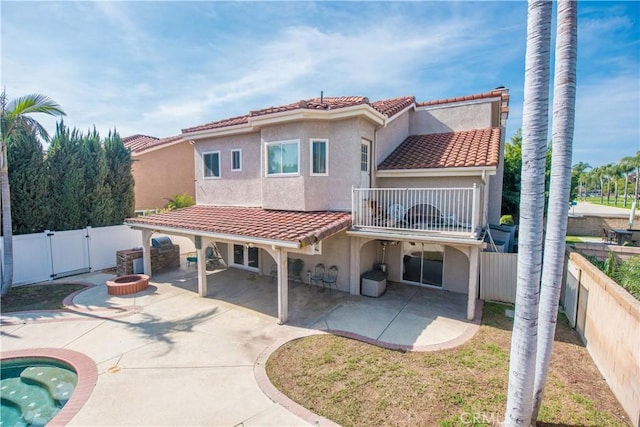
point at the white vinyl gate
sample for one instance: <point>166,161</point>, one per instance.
<point>44,256</point>
<point>69,253</point>
<point>498,276</point>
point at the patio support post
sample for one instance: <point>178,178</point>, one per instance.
<point>202,268</point>
<point>146,251</point>
<point>473,282</point>
<point>354,265</point>
<point>283,286</point>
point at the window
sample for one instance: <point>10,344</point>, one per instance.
<point>236,160</point>
<point>364,158</point>
<point>211,164</point>
<point>319,157</point>
<point>282,157</point>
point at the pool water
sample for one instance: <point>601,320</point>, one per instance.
<point>33,390</point>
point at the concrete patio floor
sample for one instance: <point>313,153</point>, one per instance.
<point>166,356</point>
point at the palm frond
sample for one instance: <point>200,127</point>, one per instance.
<point>34,103</point>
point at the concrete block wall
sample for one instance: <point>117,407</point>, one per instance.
<point>601,250</point>
<point>612,333</point>
<point>592,225</point>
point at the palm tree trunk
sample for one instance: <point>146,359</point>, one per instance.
<point>637,182</point>
<point>626,184</point>
<point>534,144</point>
<point>564,101</point>
<point>7,232</point>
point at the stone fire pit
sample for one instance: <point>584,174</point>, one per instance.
<point>129,284</point>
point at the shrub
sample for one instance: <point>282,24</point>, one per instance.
<point>180,201</point>
<point>628,276</point>
<point>506,220</point>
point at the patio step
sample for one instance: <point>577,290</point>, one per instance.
<point>58,381</point>
<point>35,403</point>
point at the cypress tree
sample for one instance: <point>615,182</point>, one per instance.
<point>29,183</point>
<point>98,203</point>
<point>67,186</point>
<point>119,177</point>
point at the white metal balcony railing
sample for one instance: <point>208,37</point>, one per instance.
<point>441,210</point>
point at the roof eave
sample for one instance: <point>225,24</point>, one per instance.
<point>436,172</point>
<point>212,235</point>
<point>459,103</point>
<point>399,113</point>
<point>156,147</point>
<point>256,122</point>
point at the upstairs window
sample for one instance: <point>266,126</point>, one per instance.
<point>283,158</point>
<point>236,160</point>
<point>319,157</point>
<point>211,164</point>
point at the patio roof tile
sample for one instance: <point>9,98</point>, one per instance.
<point>301,228</point>
<point>474,148</point>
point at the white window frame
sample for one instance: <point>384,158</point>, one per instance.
<point>204,165</point>
<point>266,157</point>
<point>311,163</point>
<point>239,151</point>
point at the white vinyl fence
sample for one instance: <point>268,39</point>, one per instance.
<point>498,275</point>
<point>52,254</point>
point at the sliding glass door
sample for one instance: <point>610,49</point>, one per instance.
<point>422,263</point>
<point>246,257</point>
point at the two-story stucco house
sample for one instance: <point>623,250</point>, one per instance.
<point>348,182</point>
<point>162,168</point>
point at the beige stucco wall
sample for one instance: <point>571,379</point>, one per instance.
<point>313,193</point>
<point>611,325</point>
<point>451,119</point>
<point>455,277</point>
<point>163,173</point>
<point>233,188</point>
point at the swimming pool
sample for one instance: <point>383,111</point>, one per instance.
<point>44,386</point>
<point>33,390</point>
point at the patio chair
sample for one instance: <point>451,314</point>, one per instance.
<point>330,278</point>
<point>318,275</point>
<point>608,236</point>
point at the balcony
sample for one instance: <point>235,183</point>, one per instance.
<point>449,211</point>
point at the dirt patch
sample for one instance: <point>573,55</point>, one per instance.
<point>38,297</point>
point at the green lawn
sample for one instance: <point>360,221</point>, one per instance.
<point>596,201</point>
<point>357,384</point>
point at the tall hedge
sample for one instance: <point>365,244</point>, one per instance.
<point>70,187</point>
<point>119,178</point>
<point>29,181</point>
<point>98,203</point>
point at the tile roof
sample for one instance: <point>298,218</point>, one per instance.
<point>301,228</point>
<point>139,143</point>
<point>391,107</point>
<point>474,148</point>
<point>388,107</point>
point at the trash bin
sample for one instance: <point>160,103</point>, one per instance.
<point>373,283</point>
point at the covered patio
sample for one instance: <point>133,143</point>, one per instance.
<point>404,317</point>
<point>278,233</point>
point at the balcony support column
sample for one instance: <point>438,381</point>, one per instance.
<point>354,265</point>
<point>473,282</point>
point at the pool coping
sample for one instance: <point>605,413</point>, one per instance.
<point>84,366</point>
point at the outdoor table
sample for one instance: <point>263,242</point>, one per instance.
<point>622,235</point>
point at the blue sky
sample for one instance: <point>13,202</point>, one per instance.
<point>157,67</point>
